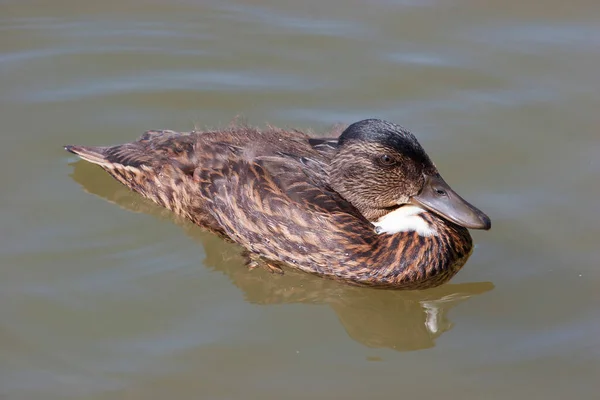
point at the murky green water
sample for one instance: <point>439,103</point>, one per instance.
<point>105,296</point>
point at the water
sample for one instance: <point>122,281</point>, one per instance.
<point>105,296</point>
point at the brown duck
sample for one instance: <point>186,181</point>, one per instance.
<point>367,208</point>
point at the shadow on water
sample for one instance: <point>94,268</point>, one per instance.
<point>401,320</point>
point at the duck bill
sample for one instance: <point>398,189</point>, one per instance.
<point>437,197</point>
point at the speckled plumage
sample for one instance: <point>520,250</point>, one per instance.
<point>305,202</point>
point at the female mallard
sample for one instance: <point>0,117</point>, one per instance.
<point>368,208</point>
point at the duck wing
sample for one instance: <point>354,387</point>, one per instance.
<point>301,180</point>
<point>280,205</point>
<point>327,147</point>
<point>233,176</point>
<point>271,179</point>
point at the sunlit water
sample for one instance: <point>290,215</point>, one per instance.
<point>105,296</point>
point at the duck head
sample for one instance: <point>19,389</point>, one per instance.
<point>380,167</point>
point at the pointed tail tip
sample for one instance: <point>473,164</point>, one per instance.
<point>77,150</point>
<point>91,154</point>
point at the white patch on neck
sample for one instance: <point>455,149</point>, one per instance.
<point>404,219</point>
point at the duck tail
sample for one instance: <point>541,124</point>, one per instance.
<point>95,155</point>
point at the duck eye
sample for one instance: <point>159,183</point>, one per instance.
<point>386,160</point>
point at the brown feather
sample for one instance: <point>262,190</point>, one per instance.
<point>272,191</point>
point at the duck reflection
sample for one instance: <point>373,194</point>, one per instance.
<point>402,320</point>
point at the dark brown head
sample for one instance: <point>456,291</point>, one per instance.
<point>380,166</point>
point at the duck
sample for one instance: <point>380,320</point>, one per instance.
<point>366,208</point>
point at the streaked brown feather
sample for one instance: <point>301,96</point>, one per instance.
<point>270,192</point>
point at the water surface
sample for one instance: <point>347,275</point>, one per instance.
<point>106,296</point>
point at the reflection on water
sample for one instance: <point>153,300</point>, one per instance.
<point>98,303</point>
<point>399,320</point>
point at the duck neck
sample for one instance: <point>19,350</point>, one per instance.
<point>424,252</point>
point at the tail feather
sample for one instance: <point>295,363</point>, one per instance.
<point>94,155</point>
